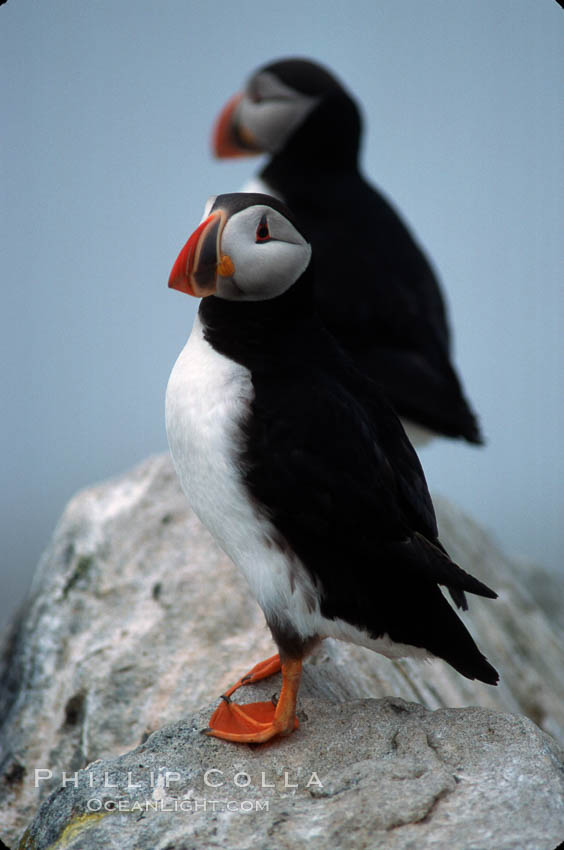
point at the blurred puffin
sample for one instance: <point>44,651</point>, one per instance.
<point>300,468</point>
<point>395,327</point>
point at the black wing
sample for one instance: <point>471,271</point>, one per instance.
<point>328,461</point>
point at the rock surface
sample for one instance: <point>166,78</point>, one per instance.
<point>136,620</point>
<point>390,774</point>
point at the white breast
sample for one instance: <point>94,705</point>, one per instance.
<point>207,400</point>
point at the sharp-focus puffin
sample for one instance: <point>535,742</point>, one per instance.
<point>300,468</point>
<point>395,327</point>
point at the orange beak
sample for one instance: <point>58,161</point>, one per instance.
<point>229,138</point>
<point>200,261</point>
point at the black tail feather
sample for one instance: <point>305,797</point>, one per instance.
<point>422,615</point>
<point>458,597</point>
<point>444,634</point>
<point>441,569</point>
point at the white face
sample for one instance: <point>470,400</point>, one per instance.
<point>267,252</point>
<point>270,111</point>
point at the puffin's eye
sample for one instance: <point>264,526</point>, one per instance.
<point>263,233</point>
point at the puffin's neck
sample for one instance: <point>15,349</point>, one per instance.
<point>246,331</point>
<point>328,141</point>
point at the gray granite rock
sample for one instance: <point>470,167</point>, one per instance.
<point>136,620</point>
<point>362,774</point>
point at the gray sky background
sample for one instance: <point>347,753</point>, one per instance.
<point>105,167</point>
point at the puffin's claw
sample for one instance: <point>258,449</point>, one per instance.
<point>260,671</point>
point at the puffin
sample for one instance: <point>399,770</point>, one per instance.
<point>298,465</point>
<point>395,327</point>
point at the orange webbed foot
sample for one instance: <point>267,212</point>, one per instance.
<point>254,722</point>
<point>257,722</point>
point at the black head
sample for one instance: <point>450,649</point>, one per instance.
<point>291,103</point>
<point>248,247</point>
